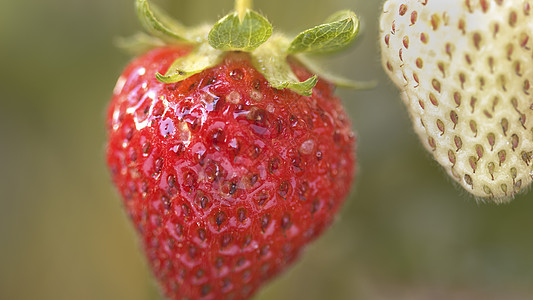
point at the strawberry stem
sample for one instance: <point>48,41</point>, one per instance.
<point>241,6</point>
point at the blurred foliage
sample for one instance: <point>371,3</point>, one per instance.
<point>407,232</point>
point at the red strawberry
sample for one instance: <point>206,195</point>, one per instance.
<point>225,177</point>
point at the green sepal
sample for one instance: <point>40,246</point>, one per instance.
<point>341,28</point>
<point>338,80</point>
<point>160,24</point>
<point>304,88</point>
<point>271,60</point>
<point>201,58</point>
<point>138,43</point>
<point>347,83</point>
<point>232,33</point>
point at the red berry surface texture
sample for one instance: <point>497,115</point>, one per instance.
<point>224,177</point>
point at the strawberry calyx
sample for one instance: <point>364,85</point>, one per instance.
<point>246,30</point>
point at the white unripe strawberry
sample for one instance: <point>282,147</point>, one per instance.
<point>465,71</point>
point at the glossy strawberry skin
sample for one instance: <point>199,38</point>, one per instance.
<point>225,178</point>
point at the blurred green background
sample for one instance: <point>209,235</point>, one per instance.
<point>407,231</point>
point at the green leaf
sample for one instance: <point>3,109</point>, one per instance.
<point>160,24</point>
<point>246,34</point>
<point>199,59</point>
<point>271,60</point>
<point>341,28</point>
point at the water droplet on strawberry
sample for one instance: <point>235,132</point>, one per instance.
<point>199,151</point>
<point>256,95</point>
<point>178,149</point>
<point>218,137</point>
<point>319,155</point>
<point>190,182</point>
<point>236,74</point>
<point>307,147</point>
<point>166,127</point>
<point>212,171</point>
<point>158,109</point>
<point>234,97</point>
<point>158,165</point>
